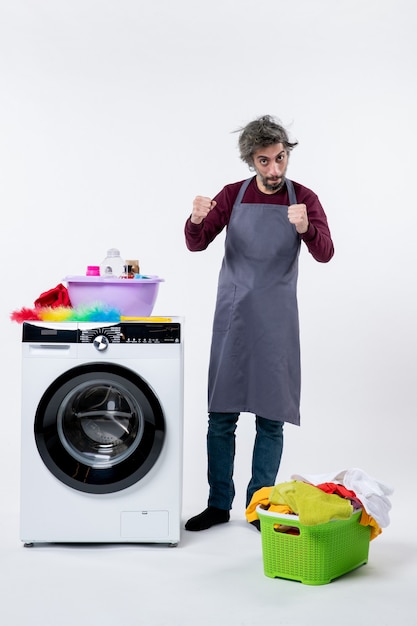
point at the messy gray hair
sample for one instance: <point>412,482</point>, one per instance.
<point>262,132</point>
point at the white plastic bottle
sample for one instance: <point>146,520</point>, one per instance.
<point>113,265</point>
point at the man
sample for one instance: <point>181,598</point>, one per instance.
<point>255,353</point>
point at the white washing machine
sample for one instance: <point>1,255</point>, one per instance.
<point>102,422</point>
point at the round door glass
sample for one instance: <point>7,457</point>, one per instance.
<point>100,424</point>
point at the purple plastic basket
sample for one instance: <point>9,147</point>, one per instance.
<point>134,297</point>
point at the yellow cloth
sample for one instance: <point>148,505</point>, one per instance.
<point>311,504</point>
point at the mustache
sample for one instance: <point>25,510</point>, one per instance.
<point>274,183</point>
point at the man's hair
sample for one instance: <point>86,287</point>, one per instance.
<point>262,132</point>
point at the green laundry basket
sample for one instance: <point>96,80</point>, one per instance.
<point>313,555</point>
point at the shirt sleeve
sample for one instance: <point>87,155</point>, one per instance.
<point>199,236</point>
<point>317,238</point>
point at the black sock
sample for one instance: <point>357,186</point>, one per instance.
<point>208,518</point>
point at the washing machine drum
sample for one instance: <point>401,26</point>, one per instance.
<point>99,428</point>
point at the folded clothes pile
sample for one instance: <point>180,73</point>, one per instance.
<point>320,498</point>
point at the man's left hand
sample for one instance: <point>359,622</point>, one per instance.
<point>297,215</point>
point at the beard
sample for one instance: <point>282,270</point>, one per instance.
<point>273,184</point>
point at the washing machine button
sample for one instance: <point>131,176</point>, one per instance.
<point>101,342</point>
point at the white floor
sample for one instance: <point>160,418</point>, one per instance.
<point>212,577</point>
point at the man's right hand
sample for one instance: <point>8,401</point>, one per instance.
<point>201,208</point>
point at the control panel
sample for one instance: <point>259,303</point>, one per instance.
<point>120,333</point>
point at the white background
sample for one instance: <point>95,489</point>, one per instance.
<point>115,114</point>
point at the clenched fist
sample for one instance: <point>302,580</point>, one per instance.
<point>201,208</point>
<point>297,215</point>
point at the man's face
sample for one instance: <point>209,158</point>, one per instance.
<point>270,164</point>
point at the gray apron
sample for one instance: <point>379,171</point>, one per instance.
<point>255,350</point>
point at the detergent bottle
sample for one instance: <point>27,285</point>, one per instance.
<point>113,265</point>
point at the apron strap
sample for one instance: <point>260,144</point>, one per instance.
<point>291,192</point>
<point>242,190</point>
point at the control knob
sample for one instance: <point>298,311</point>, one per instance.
<point>101,343</point>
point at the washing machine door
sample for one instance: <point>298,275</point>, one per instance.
<point>99,428</point>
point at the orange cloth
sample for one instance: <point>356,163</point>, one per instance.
<point>367,520</point>
<point>261,498</point>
